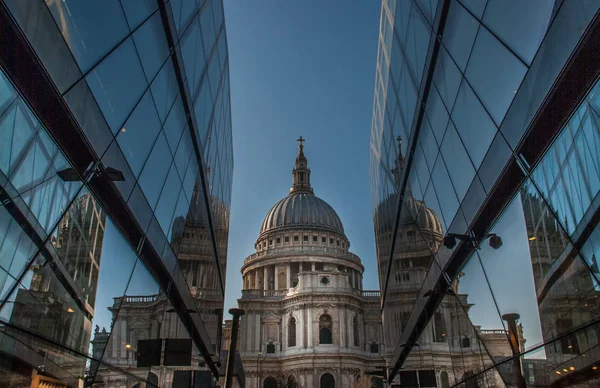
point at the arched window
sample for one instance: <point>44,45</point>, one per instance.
<point>325,336</point>
<point>270,382</point>
<point>292,332</point>
<point>444,379</point>
<point>355,331</point>
<point>327,381</point>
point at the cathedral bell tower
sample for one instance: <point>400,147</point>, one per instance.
<point>301,172</point>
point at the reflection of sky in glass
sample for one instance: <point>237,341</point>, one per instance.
<point>116,266</point>
<point>508,271</point>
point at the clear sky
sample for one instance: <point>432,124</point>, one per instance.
<point>301,68</point>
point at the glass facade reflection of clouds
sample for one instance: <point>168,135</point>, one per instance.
<point>485,177</point>
<point>116,165</point>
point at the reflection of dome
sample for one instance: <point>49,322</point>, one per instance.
<point>418,215</point>
<point>302,209</point>
<point>422,216</point>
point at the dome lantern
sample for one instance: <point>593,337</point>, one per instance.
<point>301,172</point>
<point>301,208</point>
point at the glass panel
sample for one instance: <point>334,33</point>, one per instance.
<point>191,51</point>
<point>520,25</point>
<point>16,252</point>
<point>164,90</point>
<point>138,134</point>
<point>417,42</point>
<point>446,78</point>
<point>117,83</point>
<point>508,270</point>
<point>495,74</point>
<point>568,175</point>
<point>175,124</point>
<point>459,34</point>
<point>114,158</point>
<point>494,162</point>
<point>151,44</point>
<point>140,208</point>
<point>87,113</point>
<point>136,12</point>
<point>444,190</point>
<point>207,27</point>
<point>155,170</point>
<point>168,200</point>
<point>475,6</point>
<point>89,44</point>
<point>457,161</point>
<point>203,107</point>
<point>473,200</point>
<point>473,124</point>
<point>188,9</point>
<point>430,147</point>
<point>480,312</point>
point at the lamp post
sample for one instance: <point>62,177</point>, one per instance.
<point>258,369</point>
<point>513,338</point>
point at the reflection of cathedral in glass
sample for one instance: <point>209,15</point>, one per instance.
<point>142,317</point>
<point>450,345</point>
<point>41,302</point>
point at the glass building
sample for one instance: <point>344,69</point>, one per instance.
<point>485,177</point>
<point>115,184</point>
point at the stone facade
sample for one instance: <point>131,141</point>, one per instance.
<point>308,319</point>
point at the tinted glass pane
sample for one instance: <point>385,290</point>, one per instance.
<point>459,33</point>
<point>89,44</point>
<point>457,161</point>
<point>155,170</point>
<point>151,44</point>
<point>136,12</point>
<point>138,134</point>
<point>117,83</point>
<point>473,124</point>
<point>520,25</point>
<point>447,78</point>
<point>495,74</point>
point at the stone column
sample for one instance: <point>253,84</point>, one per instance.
<point>309,327</point>
<point>276,277</point>
<point>257,330</point>
<point>265,278</point>
<point>256,279</point>
<point>288,278</point>
<point>312,267</point>
<point>352,279</point>
<point>300,328</point>
<point>342,328</point>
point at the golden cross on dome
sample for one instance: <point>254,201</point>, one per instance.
<point>301,140</point>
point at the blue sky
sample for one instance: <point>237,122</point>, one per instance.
<point>301,68</point>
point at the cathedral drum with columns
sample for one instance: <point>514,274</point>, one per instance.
<point>308,321</point>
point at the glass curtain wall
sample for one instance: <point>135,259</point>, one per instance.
<point>147,86</point>
<point>458,85</point>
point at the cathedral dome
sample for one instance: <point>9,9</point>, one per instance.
<point>302,210</point>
